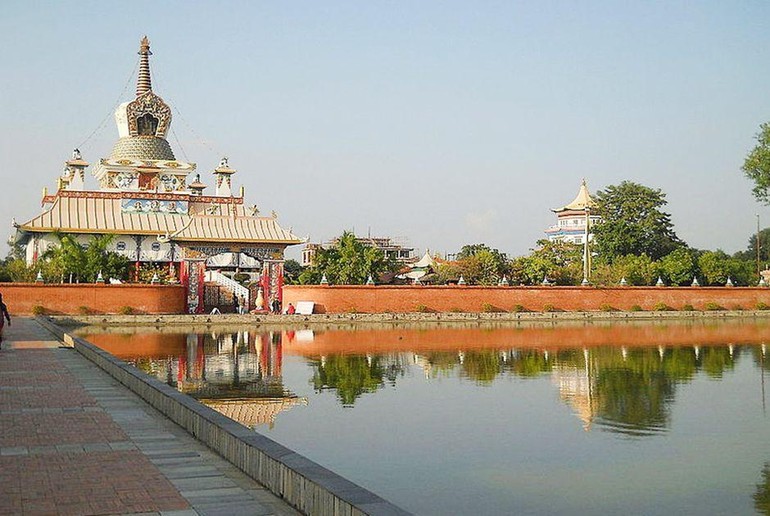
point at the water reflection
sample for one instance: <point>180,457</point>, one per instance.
<point>762,494</point>
<point>627,390</point>
<point>236,373</point>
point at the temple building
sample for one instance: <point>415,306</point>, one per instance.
<point>571,219</point>
<point>155,205</point>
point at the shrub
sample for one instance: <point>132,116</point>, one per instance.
<point>688,308</point>
<point>126,310</point>
<point>635,308</point>
<point>712,306</point>
<point>456,310</point>
<point>549,308</point>
<point>519,308</point>
<point>661,307</point>
<point>38,310</point>
<point>762,306</point>
<point>422,309</point>
<point>737,308</point>
<point>490,308</point>
<point>606,307</point>
<point>84,310</point>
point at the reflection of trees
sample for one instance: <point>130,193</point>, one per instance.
<point>529,364</point>
<point>762,494</point>
<point>626,391</point>
<point>482,366</point>
<point>714,361</point>
<point>634,397</point>
<point>350,375</point>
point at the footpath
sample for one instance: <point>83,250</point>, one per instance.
<point>74,441</point>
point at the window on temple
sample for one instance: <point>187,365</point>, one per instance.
<point>146,125</point>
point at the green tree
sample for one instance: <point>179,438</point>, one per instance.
<point>481,265</point>
<point>291,272</point>
<point>561,262</point>
<point>714,267</point>
<point>633,222</point>
<point>764,247</point>
<point>679,266</point>
<point>636,270</point>
<point>72,261</point>
<point>756,166</point>
<point>348,262</point>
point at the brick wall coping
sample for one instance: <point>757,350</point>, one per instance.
<point>306,485</point>
<point>393,318</point>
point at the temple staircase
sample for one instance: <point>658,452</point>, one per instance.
<point>229,285</point>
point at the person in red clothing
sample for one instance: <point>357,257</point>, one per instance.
<point>291,310</point>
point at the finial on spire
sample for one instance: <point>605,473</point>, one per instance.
<point>144,46</point>
<point>143,81</point>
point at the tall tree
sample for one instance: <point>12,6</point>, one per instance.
<point>756,166</point>
<point>633,222</point>
<point>482,265</point>
<point>764,247</point>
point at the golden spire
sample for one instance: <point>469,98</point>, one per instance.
<point>143,82</point>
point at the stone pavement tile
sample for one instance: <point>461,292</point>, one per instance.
<point>14,450</point>
<point>234,509</point>
<point>54,429</point>
<point>127,482</point>
<point>202,483</point>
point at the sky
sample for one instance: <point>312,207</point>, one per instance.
<point>440,123</point>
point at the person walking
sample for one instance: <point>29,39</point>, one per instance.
<point>4,316</point>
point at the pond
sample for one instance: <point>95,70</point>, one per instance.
<point>642,418</point>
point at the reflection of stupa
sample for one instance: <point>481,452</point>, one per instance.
<point>576,388</point>
<point>254,412</point>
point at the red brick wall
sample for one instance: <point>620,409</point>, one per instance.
<point>378,299</point>
<point>97,298</point>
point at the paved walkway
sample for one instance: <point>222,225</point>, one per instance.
<point>75,441</point>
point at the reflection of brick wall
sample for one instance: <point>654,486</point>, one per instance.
<point>67,298</point>
<point>378,299</point>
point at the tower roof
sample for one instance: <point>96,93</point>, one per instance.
<point>581,202</point>
<point>144,122</point>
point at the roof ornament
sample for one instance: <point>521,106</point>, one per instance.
<point>274,214</point>
<point>253,210</point>
<point>76,154</point>
<point>223,163</point>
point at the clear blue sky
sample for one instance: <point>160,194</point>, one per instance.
<point>444,122</point>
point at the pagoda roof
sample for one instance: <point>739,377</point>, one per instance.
<point>98,213</point>
<point>253,412</point>
<point>581,202</point>
<point>425,261</point>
